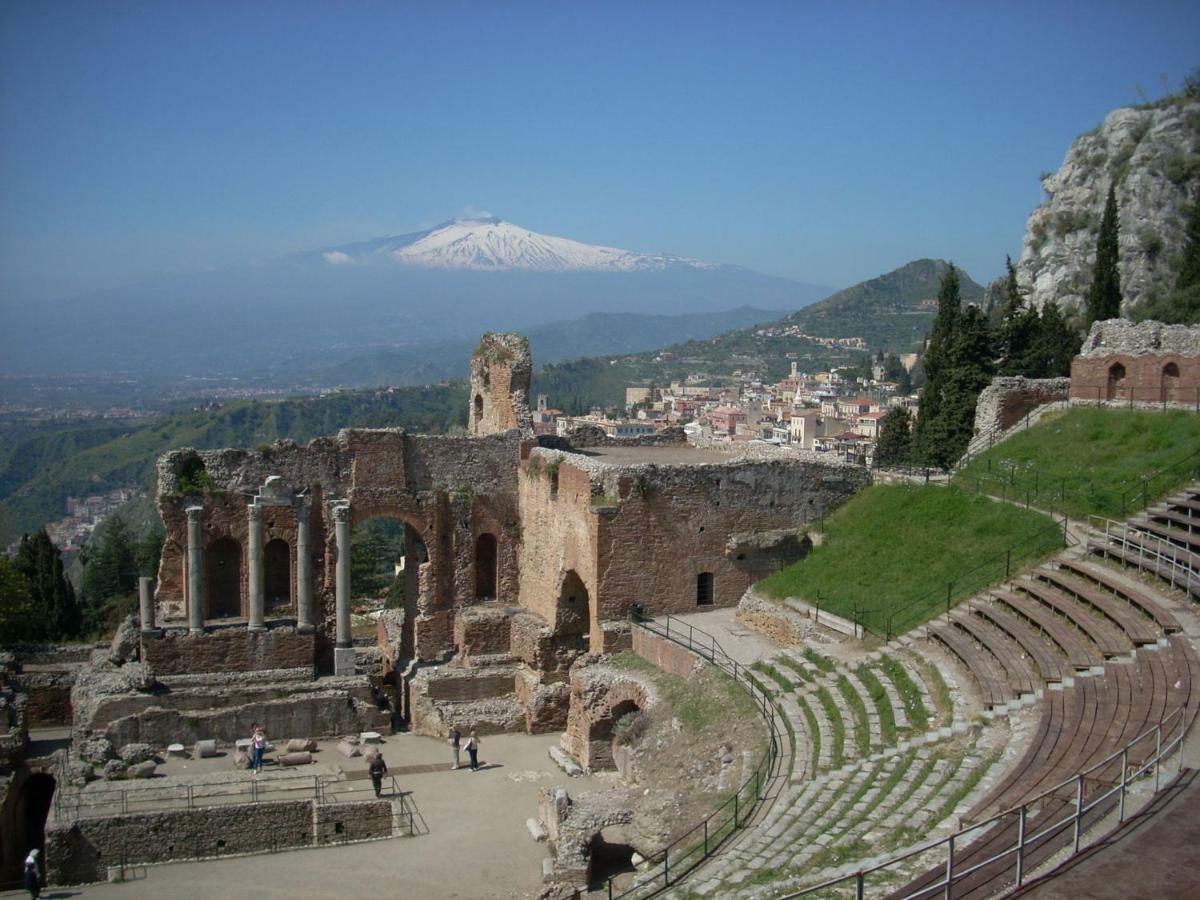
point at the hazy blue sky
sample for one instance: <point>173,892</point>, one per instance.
<point>827,142</point>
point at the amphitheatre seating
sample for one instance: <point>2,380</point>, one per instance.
<point>1163,540</point>
<point>1051,664</point>
<point>1092,614</point>
<point>910,781</point>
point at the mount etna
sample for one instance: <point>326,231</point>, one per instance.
<point>322,307</point>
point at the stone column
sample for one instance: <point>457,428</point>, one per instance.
<point>254,568</point>
<point>343,653</point>
<point>195,559</point>
<point>146,602</point>
<point>304,600</point>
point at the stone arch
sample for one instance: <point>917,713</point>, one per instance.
<point>487,566</point>
<point>30,807</point>
<point>1116,379</point>
<point>223,579</point>
<point>478,407</point>
<point>277,575</point>
<point>572,615</point>
<point>1170,381</point>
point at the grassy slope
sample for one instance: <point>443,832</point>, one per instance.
<point>892,544</point>
<point>1087,460</point>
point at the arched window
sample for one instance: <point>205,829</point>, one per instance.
<point>1116,375</point>
<point>478,407</point>
<point>486,559</point>
<point>1170,382</point>
<point>704,589</point>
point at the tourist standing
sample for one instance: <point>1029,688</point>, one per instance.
<point>258,746</point>
<point>455,743</point>
<point>473,751</point>
<point>32,876</point>
<point>378,768</point>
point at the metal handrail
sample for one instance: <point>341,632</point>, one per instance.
<point>705,838</point>
<point>1147,547</point>
<point>1163,750</point>
<point>100,802</point>
<point>896,621</point>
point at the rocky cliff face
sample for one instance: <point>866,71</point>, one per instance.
<point>1153,154</point>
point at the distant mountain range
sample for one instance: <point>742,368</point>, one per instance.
<point>319,308</point>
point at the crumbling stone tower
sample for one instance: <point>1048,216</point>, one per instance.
<point>501,367</point>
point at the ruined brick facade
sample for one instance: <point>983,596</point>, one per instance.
<point>1138,363</point>
<point>521,556</point>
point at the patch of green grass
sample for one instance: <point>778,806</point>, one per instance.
<point>938,688</point>
<point>1086,461</point>
<point>778,677</point>
<point>834,715</point>
<point>891,550</point>
<point>883,706</point>
<point>814,733</point>
<point>918,716</point>
<point>862,729</point>
<point>824,663</point>
<point>795,666</point>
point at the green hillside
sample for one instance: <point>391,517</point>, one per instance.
<point>884,311</point>
<point>42,463</point>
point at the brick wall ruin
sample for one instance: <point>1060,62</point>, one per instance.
<point>228,649</point>
<point>1144,362</point>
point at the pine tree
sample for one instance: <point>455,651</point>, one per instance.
<point>110,574</point>
<point>1056,344</point>
<point>18,620</point>
<point>1104,297</point>
<point>894,446</point>
<point>53,596</point>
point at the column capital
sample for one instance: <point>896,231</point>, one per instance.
<point>341,512</point>
<point>254,511</point>
<point>194,513</point>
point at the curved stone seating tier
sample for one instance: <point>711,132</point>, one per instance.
<point>1110,641</point>
<point>824,823</point>
<point>1081,654</point>
<point>1049,660</point>
<point>1123,588</point>
<point>1135,626</point>
<point>1079,727</point>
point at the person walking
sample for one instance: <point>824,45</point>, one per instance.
<point>473,751</point>
<point>258,746</point>
<point>31,877</point>
<point>378,768</point>
<point>455,744</point>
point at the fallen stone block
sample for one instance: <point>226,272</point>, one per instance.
<point>297,758</point>
<point>241,760</point>
<point>299,745</point>
<point>535,829</point>
<point>348,749</point>
<point>177,750</point>
<point>143,769</point>
<point>547,870</point>
<point>136,753</point>
<point>564,762</point>
<point>204,749</point>
<point>114,769</point>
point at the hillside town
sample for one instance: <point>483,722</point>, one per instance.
<point>836,411</point>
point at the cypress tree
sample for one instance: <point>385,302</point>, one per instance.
<point>1104,296</point>
<point>894,446</point>
<point>52,594</point>
<point>929,423</point>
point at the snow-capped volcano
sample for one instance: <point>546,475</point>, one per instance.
<point>491,243</point>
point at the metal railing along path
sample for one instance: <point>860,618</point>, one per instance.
<point>1109,794</point>
<point>684,854</point>
<point>1148,552</point>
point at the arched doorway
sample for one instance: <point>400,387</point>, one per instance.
<point>1116,379</point>
<point>572,620</point>
<point>378,561</point>
<point>705,589</point>
<point>478,407</point>
<point>277,575</point>
<point>29,813</point>
<point>486,567</point>
<point>223,579</point>
<point>1170,382</point>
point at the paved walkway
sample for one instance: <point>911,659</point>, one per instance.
<point>737,640</point>
<point>476,845</point>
